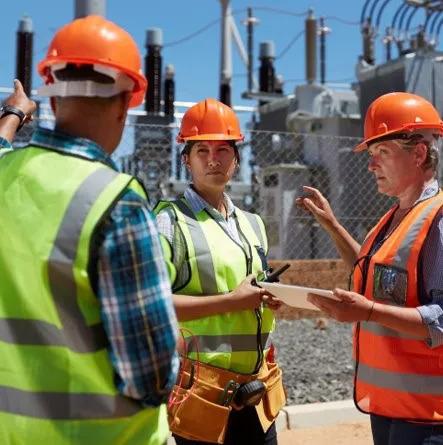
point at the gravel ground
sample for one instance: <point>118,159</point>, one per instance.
<point>316,363</point>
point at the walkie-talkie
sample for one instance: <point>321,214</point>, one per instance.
<point>274,275</point>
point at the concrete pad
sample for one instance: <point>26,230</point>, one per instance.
<point>315,415</point>
<point>320,414</point>
<point>281,422</point>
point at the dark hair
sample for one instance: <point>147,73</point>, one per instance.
<point>72,72</point>
<point>188,146</point>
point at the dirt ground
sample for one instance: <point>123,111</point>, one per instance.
<point>358,433</point>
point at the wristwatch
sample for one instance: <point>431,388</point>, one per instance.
<point>9,109</point>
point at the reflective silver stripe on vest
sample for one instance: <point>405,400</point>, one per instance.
<point>74,333</point>
<point>203,257</point>
<point>378,329</point>
<point>252,219</point>
<point>226,343</point>
<point>403,251</point>
<point>65,406</point>
<point>411,383</point>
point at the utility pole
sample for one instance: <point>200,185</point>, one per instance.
<point>84,8</point>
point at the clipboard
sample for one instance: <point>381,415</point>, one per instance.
<point>295,296</point>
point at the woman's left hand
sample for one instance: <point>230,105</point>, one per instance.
<point>271,302</point>
<point>348,306</point>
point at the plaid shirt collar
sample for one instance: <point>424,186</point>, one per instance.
<point>65,143</point>
<point>197,203</point>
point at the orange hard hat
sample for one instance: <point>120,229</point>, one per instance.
<point>210,120</point>
<point>398,113</point>
<point>93,40</point>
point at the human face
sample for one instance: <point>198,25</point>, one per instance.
<point>211,163</point>
<point>395,169</point>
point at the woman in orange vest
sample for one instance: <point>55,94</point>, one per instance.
<point>397,302</point>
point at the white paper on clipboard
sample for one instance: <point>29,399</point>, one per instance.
<point>295,296</point>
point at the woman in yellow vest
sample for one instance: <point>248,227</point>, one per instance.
<point>231,393</point>
<point>398,281</point>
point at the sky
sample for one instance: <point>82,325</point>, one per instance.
<point>197,59</point>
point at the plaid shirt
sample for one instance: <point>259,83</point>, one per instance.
<point>129,276</point>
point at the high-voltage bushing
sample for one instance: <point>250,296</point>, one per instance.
<point>368,35</point>
<point>169,91</point>
<point>267,70</point>
<point>387,40</point>
<point>25,37</point>
<point>153,69</point>
<point>83,8</point>
<point>311,47</point>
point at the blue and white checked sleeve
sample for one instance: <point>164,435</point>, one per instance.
<point>136,304</point>
<point>432,279</point>
<point>4,143</point>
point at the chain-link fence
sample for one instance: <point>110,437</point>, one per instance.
<point>274,167</point>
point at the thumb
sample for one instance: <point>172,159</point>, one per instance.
<point>342,294</point>
<point>18,87</point>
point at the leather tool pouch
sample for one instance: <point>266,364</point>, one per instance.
<point>275,397</point>
<point>197,418</point>
<point>199,413</point>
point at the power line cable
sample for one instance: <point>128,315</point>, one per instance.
<point>344,21</point>
<point>201,30</point>
<point>289,45</point>
<point>280,11</point>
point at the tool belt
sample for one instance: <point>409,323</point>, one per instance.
<point>207,396</point>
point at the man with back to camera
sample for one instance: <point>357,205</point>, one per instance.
<point>87,327</point>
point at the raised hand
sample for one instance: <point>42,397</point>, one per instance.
<point>319,207</point>
<point>20,100</point>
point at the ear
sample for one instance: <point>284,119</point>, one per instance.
<point>123,105</point>
<point>53,104</point>
<point>185,161</point>
<point>421,151</point>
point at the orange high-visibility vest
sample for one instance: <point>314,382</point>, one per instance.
<point>397,376</point>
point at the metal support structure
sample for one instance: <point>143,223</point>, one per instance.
<point>323,30</point>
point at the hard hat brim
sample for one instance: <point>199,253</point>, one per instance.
<point>364,145</point>
<point>210,137</point>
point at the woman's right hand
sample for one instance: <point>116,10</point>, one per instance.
<point>247,296</point>
<point>318,206</point>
